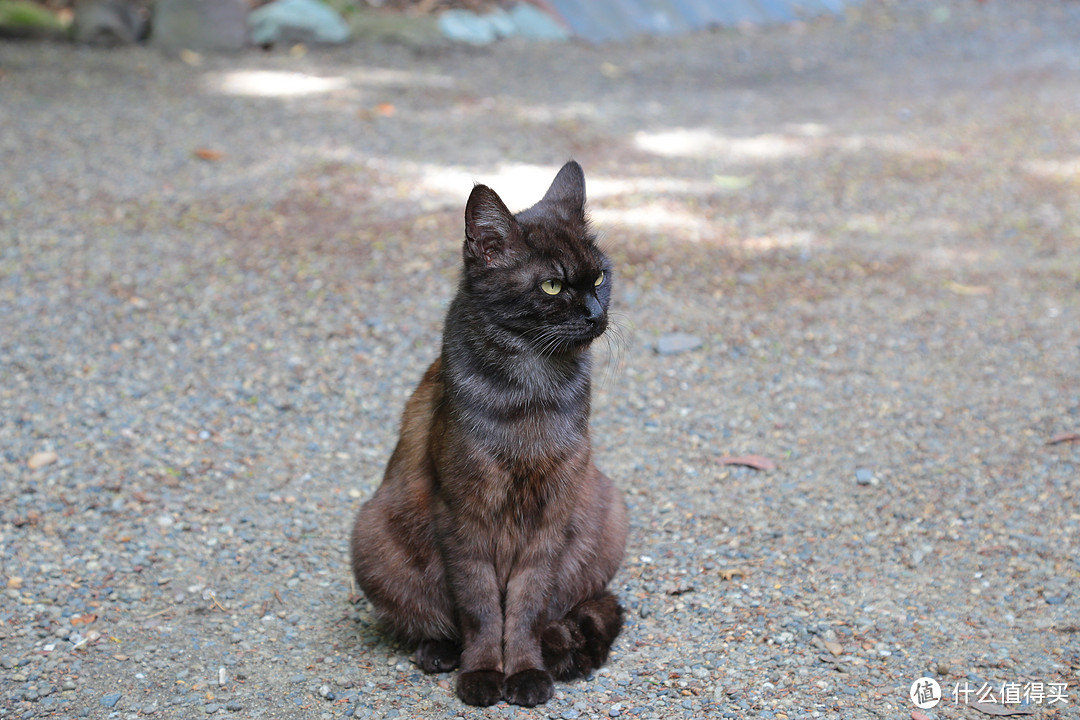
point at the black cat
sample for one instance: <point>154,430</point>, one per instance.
<point>493,535</point>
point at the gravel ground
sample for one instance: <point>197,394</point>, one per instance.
<point>213,303</point>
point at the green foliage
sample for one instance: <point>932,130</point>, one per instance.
<point>20,16</point>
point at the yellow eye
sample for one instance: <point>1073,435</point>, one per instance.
<point>599,279</point>
<point>551,287</point>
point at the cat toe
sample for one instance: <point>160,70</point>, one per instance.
<point>437,656</point>
<point>529,688</point>
<point>480,687</point>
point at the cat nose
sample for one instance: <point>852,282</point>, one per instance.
<point>594,312</point>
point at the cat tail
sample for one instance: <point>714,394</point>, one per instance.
<point>579,643</point>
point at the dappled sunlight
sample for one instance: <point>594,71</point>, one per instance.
<point>1067,169</point>
<point>650,205</point>
<point>519,185</point>
<point>784,240</point>
<point>699,142</point>
<point>656,217</point>
<point>290,83</point>
<point>796,140</point>
<point>272,83</point>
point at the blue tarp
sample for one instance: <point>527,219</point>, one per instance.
<point>606,20</point>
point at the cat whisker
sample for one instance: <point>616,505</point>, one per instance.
<point>615,346</point>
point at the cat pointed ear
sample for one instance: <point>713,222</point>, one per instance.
<point>490,229</point>
<point>567,191</point>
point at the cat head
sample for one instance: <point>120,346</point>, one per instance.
<point>538,274</point>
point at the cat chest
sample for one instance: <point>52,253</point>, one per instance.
<point>529,441</point>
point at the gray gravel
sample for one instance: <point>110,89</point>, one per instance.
<point>870,224</point>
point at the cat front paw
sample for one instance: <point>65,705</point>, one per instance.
<point>529,688</point>
<point>480,687</point>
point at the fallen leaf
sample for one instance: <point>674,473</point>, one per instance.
<point>731,573</point>
<point>1064,438</point>
<point>208,154</point>
<point>41,459</point>
<point>758,462</point>
<point>961,289</point>
<point>191,58</point>
<point>385,109</point>
<point>83,619</point>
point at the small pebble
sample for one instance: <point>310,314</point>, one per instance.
<point>677,343</point>
<point>41,459</point>
<point>865,476</point>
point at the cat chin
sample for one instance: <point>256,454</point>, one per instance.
<point>570,347</point>
<point>576,343</point>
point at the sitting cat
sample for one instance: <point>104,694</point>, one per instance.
<point>493,536</point>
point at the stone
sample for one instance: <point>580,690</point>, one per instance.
<point>200,25</point>
<point>865,476</point>
<point>111,699</point>
<point>297,21</point>
<point>673,343</point>
<point>532,23</point>
<point>465,26</point>
<point>109,23</point>
<point>419,33</point>
<point>41,459</point>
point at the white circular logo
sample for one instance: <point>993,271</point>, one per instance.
<point>925,693</point>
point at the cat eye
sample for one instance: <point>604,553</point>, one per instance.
<point>551,287</point>
<point>599,279</point>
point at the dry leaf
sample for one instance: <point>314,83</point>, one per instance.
<point>758,462</point>
<point>961,289</point>
<point>190,57</point>
<point>385,109</point>
<point>208,154</point>
<point>731,573</point>
<point>83,619</point>
<point>1064,438</point>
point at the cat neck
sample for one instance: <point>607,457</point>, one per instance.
<point>488,366</point>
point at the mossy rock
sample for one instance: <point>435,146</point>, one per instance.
<point>19,19</point>
<point>374,26</point>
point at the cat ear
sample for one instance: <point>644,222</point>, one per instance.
<point>567,191</point>
<point>490,229</point>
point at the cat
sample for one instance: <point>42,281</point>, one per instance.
<point>493,536</point>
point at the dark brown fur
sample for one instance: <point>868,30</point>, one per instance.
<point>493,536</point>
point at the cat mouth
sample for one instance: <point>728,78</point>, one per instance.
<point>571,339</point>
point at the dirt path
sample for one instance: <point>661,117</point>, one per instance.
<point>218,283</point>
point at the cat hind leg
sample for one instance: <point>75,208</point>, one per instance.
<point>579,643</point>
<point>438,656</point>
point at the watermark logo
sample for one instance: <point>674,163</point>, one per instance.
<point>1008,698</point>
<point>925,693</point>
